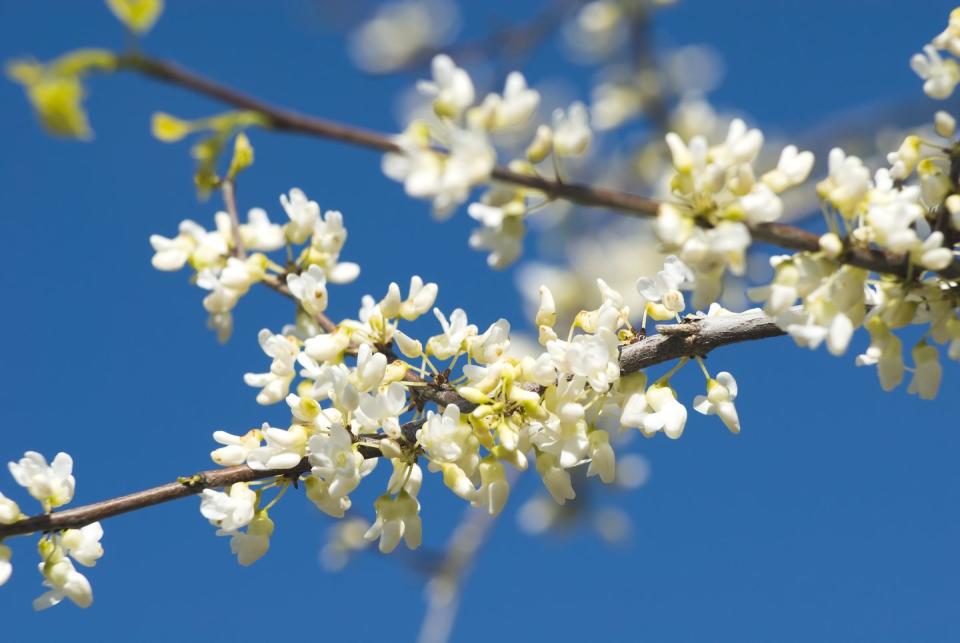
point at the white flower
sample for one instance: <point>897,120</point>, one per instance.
<point>64,581</point>
<point>303,214</point>
<point>949,38</point>
<point>492,345</point>
<point>513,109</point>
<point>9,511</point>
<point>848,182</point>
<point>454,336</point>
<point>229,511</point>
<point>721,392</point>
<point>52,485</point>
<point>329,236</point>
<point>451,87</point>
<point>941,76</point>
<point>665,286</point>
<point>383,409</point>
<point>276,382</point>
<point>927,372</point>
<point>571,130</point>
<point>494,488</point>
<point>445,437</point>
<point>310,289</point>
<point>6,568</point>
<point>595,357</point>
<point>602,457</point>
<point>326,347</point>
<point>250,545</point>
<point>283,449</point>
<point>792,169</point>
<point>400,30</point>
<point>335,461</point>
<point>564,433</point>
<point>397,518</point>
<point>655,410</point>
<point>236,448</point>
<point>420,298</point>
<point>171,254</point>
<point>886,352</point>
<point>260,234</point>
<point>318,491</point>
<point>931,253</point>
<point>555,478</point>
<point>447,180</point>
<point>83,544</point>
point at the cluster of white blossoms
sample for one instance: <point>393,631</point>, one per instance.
<point>52,485</point>
<point>940,75</point>
<point>360,390</point>
<point>908,209</point>
<point>223,267</point>
<point>716,196</point>
<point>444,158</point>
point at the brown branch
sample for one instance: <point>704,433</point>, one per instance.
<point>693,337</point>
<point>282,119</point>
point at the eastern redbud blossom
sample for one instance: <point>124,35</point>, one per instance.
<point>64,581</point>
<point>9,511</point>
<point>283,449</point>
<point>444,437</point>
<point>83,545</point>
<point>303,213</point>
<point>275,383</point>
<point>397,517</point>
<point>571,130</point>
<point>236,448</point>
<point>454,337</point>
<point>494,488</point>
<point>665,287</point>
<point>721,392</point>
<point>451,87</point>
<point>229,511</point>
<point>310,289</point>
<point>941,75</point>
<point>555,478</point>
<point>513,109</point>
<point>250,545</point>
<point>51,484</point>
<point>6,568</point>
<point>657,409</point>
<point>927,372</point>
<point>336,461</point>
<point>602,457</point>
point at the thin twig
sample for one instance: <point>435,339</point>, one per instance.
<point>228,189</point>
<point>282,119</point>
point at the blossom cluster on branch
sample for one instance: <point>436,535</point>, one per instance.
<point>466,404</point>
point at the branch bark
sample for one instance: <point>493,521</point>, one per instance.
<point>283,119</point>
<point>695,336</point>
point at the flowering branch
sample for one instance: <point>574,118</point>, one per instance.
<point>282,119</point>
<point>693,337</point>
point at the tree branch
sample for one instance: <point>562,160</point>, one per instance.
<point>282,119</point>
<point>693,337</point>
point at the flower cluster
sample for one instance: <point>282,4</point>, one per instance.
<point>443,157</point>
<point>364,387</point>
<point>716,197</point>
<point>907,210</point>
<point>940,75</point>
<point>223,268</point>
<point>52,485</point>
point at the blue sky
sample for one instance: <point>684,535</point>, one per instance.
<point>833,516</point>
